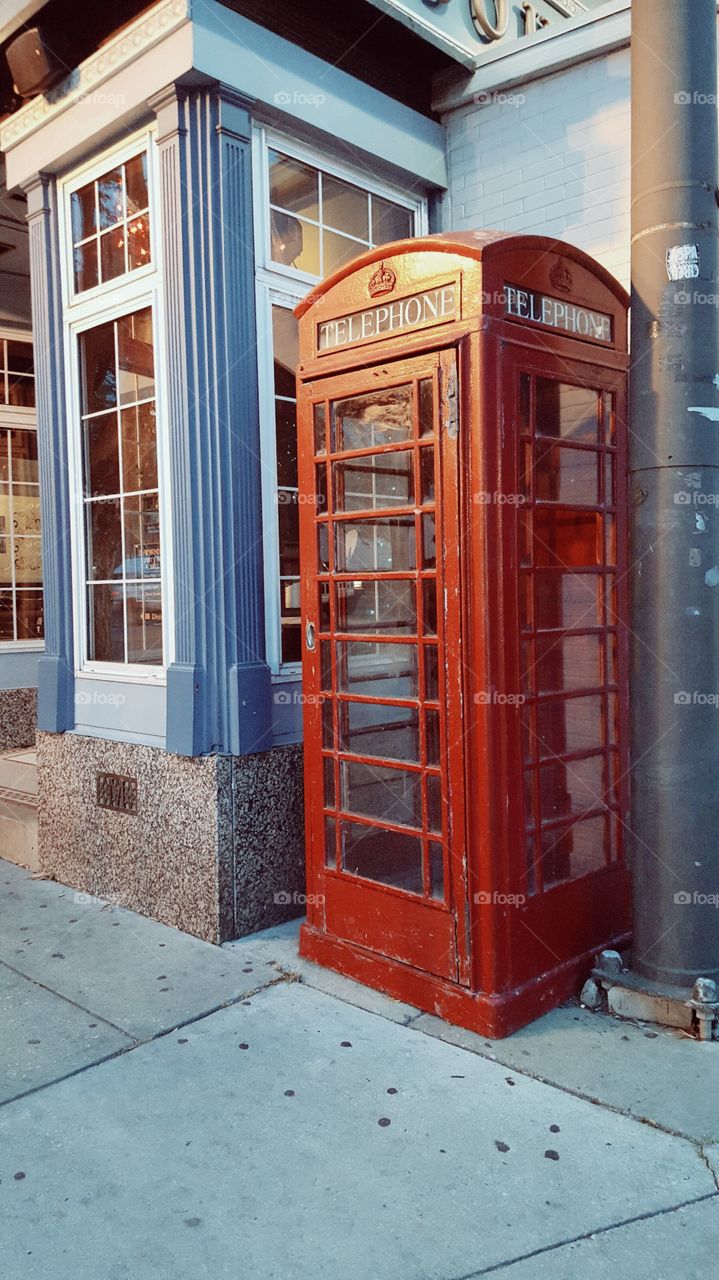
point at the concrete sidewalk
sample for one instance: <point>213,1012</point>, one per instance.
<point>174,1110</point>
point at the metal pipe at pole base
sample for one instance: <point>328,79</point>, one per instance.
<point>674,492</point>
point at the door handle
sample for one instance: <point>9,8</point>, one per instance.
<point>310,635</point>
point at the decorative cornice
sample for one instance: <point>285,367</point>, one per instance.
<point>137,38</point>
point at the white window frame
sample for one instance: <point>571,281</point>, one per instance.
<point>79,178</point>
<point>279,285</point>
<point>82,311</point>
<point>22,418</point>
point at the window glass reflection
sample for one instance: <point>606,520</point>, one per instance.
<point>110,223</point>
<point>122,525</point>
<point>21,596</point>
<point>319,222</point>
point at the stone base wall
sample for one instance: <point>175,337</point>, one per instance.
<point>269,838</point>
<point>216,847</point>
<point>18,718</point>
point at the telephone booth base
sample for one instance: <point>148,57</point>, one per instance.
<point>495,1016</point>
<point>462,521</point>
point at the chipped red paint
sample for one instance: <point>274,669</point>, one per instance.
<point>500,896</point>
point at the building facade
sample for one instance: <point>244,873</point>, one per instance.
<point>188,180</point>
<point>186,184</point>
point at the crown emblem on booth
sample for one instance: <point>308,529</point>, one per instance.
<point>383,281</point>
<point>561,277</point>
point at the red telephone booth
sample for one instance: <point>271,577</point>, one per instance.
<point>462,411</point>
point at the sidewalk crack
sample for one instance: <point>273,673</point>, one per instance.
<point>587,1235</point>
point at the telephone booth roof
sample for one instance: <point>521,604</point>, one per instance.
<point>478,246</point>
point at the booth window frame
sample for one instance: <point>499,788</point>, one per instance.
<point>286,286</point>
<point>19,418</point>
<point>105,302</point>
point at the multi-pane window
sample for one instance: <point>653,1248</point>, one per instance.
<point>317,222</point>
<point>111,224</point>
<point>17,380</point>
<point>569,623</point>
<point>21,605</point>
<point>120,491</point>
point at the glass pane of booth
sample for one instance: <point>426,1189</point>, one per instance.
<point>379,729</point>
<point>565,411</point>
<point>375,418</point>
<point>375,482</point>
<point>392,795</point>
<point>390,857</point>
<point>377,606</point>
<point>385,671</point>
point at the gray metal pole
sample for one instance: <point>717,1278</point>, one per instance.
<point>674,493</point>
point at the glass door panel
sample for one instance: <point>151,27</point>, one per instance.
<point>381,553</point>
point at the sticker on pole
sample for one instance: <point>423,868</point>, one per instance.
<point>683,262</point>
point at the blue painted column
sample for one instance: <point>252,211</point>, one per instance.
<point>218,686</point>
<point>56,682</point>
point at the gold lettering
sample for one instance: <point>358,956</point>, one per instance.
<point>522,303</point>
<point>382,316</point>
<point>533,21</point>
<point>429,305</point>
<point>492,30</point>
<point>395,315</point>
<point>413,311</point>
<point>404,313</point>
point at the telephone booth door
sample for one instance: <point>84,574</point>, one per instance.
<point>382,671</point>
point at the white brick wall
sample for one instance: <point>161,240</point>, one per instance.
<point>555,161</point>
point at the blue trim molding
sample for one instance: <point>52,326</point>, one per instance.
<point>218,687</point>
<point>55,668</point>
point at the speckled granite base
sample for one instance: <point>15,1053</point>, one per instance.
<point>269,838</point>
<point>172,861</point>
<point>18,718</point>
<point>216,847</point>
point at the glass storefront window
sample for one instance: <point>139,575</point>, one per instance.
<point>17,374</point>
<point>111,224</point>
<point>21,598</point>
<point>120,491</point>
<point>317,222</point>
